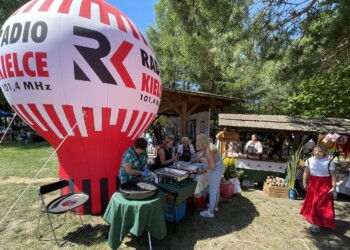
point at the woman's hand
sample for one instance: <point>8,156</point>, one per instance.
<point>331,190</point>
<point>175,158</point>
<point>305,185</point>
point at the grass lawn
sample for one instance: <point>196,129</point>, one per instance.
<point>18,165</point>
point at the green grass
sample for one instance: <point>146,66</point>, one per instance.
<point>19,163</point>
<point>25,160</point>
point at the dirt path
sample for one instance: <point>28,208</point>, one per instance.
<point>252,221</point>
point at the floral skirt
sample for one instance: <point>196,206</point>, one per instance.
<point>318,206</point>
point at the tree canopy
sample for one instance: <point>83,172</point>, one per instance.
<point>283,56</point>
<point>273,53</point>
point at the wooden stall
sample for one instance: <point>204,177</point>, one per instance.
<point>291,131</point>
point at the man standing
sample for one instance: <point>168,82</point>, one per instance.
<point>157,131</point>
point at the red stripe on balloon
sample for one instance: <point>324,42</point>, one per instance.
<point>121,119</point>
<point>68,110</point>
<point>49,135</point>
<point>55,119</point>
<point>65,6</point>
<point>146,124</point>
<point>46,5</point>
<point>134,32</point>
<point>141,128</point>
<point>116,13</point>
<point>132,121</point>
<point>111,133</point>
<point>85,8</point>
<point>24,111</point>
<point>38,115</point>
<point>143,39</point>
<point>94,143</point>
<point>30,6</point>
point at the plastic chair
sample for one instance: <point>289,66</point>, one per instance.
<point>60,205</point>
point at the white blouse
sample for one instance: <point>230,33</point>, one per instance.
<point>319,167</point>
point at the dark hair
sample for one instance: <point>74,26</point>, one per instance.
<point>140,143</point>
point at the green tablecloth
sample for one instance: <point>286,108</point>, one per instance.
<point>181,193</point>
<point>135,216</point>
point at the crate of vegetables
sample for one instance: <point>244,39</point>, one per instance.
<point>276,191</point>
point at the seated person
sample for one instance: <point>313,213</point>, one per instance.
<point>254,148</point>
<point>233,148</point>
<point>186,149</point>
<point>134,162</point>
<point>165,156</point>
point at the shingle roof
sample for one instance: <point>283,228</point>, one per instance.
<point>284,123</point>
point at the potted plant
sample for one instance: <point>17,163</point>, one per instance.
<point>232,175</point>
<point>230,167</point>
<point>293,163</point>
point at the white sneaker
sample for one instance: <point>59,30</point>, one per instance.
<point>206,213</point>
<point>215,209</point>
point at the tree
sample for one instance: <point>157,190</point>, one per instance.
<point>260,50</point>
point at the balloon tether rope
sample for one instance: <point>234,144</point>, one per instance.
<point>33,179</point>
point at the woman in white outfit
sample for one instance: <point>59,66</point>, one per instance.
<point>216,168</point>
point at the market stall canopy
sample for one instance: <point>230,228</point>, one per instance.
<point>5,114</point>
<point>183,103</point>
<point>284,123</point>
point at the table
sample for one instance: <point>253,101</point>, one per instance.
<point>179,194</point>
<point>135,216</point>
<point>257,170</point>
<point>343,181</point>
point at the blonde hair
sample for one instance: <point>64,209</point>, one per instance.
<point>186,140</point>
<point>213,148</point>
<point>202,141</point>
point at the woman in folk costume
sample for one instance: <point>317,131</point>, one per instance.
<point>319,180</point>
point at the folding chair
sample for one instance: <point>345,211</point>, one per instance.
<point>60,205</point>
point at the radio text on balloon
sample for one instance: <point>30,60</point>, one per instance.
<point>27,85</point>
<point>11,66</point>
<point>12,34</point>
<point>152,65</point>
<point>149,99</point>
<point>151,85</point>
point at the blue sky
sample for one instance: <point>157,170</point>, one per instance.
<point>140,12</point>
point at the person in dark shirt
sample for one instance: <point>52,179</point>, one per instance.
<point>157,132</point>
<point>186,149</point>
<point>165,156</point>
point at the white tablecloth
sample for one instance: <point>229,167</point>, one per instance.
<point>279,167</point>
<point>343,183</point>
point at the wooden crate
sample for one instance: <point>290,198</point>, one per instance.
<point>279,192</point>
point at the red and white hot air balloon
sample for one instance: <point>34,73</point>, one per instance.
<point>82,75</point>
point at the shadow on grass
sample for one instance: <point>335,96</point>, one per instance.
<point>336,239</point>
<point>233,215</point>
<point>90,236</point>
<point>31,145</point>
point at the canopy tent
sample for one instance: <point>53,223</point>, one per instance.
<point>5,114</point>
